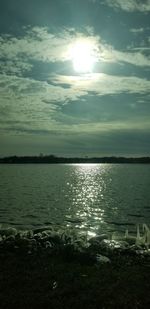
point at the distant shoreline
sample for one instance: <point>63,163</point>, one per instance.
<point>51,159</point>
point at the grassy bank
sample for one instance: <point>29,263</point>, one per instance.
<point>62,280</point>
<point>48,269</point>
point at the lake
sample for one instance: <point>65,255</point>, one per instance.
<point>88,197</point>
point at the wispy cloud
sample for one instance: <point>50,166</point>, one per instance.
<point>29,105</point>
<point>23,108</point>
<point>130,5</point>
<point>102,84</point>
<point>39,45</point>
<point>137,30</point>
<point>137,58</point>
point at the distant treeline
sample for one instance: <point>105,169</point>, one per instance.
<point>54,159</point>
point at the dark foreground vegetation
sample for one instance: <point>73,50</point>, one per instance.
<point>53,159</point>
<point>44,280</point>
<point>41,270</point>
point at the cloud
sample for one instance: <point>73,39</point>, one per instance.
<point>80,141</point>
<point>138,58</point>
<point>135,58</point>
<point>18,53</point>
<point>130,5</point>
<point>23,108</point>
<point>103,84</point>
<point>137,30</point>
<point>33,106</point>
<point>27,105</point>
<point>37,96</point>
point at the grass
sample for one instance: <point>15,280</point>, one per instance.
<point>66,280</point>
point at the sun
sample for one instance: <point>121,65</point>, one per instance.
<point>83,56</point>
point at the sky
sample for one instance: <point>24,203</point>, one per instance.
<point>74,77</point>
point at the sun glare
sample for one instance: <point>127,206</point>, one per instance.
<point>83,56</point>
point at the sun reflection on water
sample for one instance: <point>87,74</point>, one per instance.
<point>87,196</point>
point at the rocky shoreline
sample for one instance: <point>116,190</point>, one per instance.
<point>100,249</point>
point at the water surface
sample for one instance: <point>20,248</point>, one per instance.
<point>93,197</point>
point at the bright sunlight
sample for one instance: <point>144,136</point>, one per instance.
<point>83,56</point>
